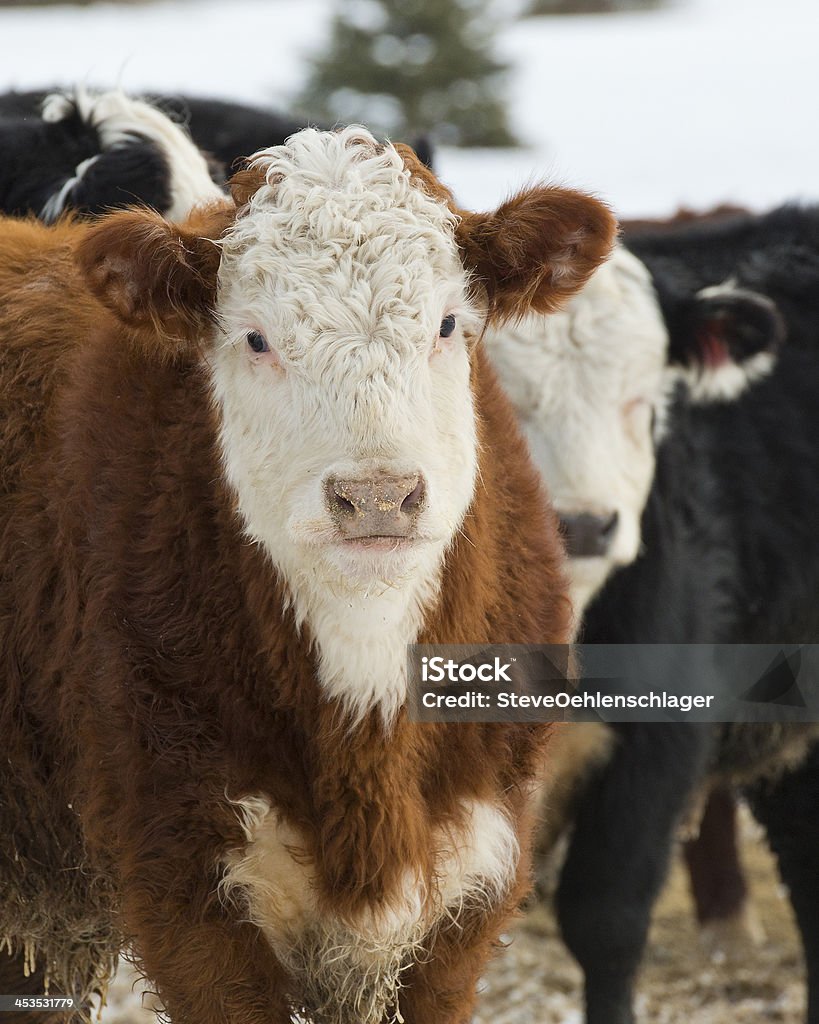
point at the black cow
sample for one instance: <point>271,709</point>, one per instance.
<point>232,131</point>
<point>682,452</point>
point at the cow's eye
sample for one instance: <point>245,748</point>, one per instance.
<point>447,326</point>
<point>257,342</point>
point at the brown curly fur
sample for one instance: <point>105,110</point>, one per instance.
<point>149,673</point>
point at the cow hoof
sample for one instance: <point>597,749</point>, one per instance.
<point>731,938</point>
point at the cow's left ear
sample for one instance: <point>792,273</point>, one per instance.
<point>723,339</point>
<point>153,274</point>
<point>536,250</point>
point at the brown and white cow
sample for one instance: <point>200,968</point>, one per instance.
<point>246,460</point>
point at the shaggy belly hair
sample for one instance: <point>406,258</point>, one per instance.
<point>349,969</point>
<point>345,976</point>
<point>57,907</point>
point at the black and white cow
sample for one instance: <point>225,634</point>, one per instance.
<point>673,411</point>
<point>227,132</point>
<point>90,151</point>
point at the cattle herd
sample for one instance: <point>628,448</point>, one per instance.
<point>273,407</point>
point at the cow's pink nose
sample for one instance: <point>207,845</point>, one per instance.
<point>379,506</point>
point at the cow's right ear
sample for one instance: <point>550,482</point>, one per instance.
<point>153,274</point>
<point>723,339</point>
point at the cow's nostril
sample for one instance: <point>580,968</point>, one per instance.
<point>339,504</point>
<point>414,498</point>
<point>344,504</point>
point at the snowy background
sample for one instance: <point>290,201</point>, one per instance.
<point>703,102</point>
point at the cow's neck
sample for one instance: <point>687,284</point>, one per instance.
<point>361,636</point>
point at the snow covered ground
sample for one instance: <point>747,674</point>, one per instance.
<point>707,101</point>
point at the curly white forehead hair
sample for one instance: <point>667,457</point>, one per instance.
<point>338,237</point>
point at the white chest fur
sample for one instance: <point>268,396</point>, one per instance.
<point>353,966</point>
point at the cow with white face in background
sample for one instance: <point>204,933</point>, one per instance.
<point>246,459</point>
<point>588,385</point>
<point>594,387</point>
<point>674,420</point>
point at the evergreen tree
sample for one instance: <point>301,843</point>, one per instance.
<point>409,67</point>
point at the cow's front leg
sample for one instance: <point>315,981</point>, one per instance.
<point>442,987</point>
<point>624,829</point>
<point>209,965</point>
<point>788,806</point>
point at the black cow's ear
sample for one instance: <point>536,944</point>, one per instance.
<point>723,339</point>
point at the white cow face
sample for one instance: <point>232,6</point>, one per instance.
<point>588,384</point>
<point>592,387</point>
<point>342,365</point>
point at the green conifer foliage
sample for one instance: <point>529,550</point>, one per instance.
<point>409,67</point>
<point>590,6</point>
